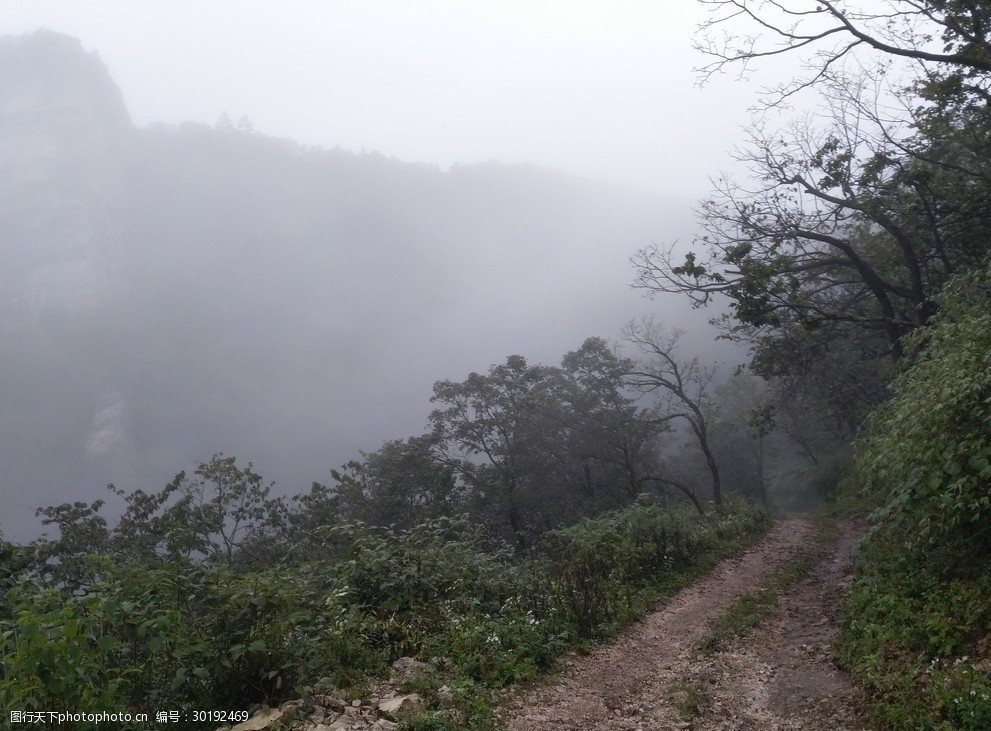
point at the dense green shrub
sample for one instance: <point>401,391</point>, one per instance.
<point>606,568</point>
<point>918,620</point>
<point>184,634</point>
<point>928,450</point>
<point>58,655</point>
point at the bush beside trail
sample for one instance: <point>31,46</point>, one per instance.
<point>917,633</point>
<point>184,634</point>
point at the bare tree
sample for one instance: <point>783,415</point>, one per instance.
<point>952,33</point>
<point>682,388</point>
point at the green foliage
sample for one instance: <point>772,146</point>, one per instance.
<point>82,530</point>
<point>608,568</point>
<point>401,485</point>
<point>927,453</point>
<point>224,516</point>
<point>917,630</point>
<point>184,636</point>
<point>602,561</point>
<point>431,722</point>
<point>537,447</point>
<point>826,477</point>
<point>914,640</point>
<point>189,633</point>
<point>14,563</point>
<point>63,658</point>
<point>400,590</point>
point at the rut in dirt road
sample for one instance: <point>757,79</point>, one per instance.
<point>640,681</point>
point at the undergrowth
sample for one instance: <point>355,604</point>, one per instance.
<point>917,636</point>
<point>184,635</point>
<point>917,628</point>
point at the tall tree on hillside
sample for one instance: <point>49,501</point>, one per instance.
<point>538,446</point>
<point>825,381</point>
<point>401,485</point>
<point>609,440</point>
<point>494,430</point>
<point>832,227</point>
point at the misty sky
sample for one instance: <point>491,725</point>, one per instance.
<point>601,89</point>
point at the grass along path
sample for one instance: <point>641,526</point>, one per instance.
<point>653,677</point>
<point>752,607</point>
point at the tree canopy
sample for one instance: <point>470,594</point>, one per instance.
<point>832,245</point>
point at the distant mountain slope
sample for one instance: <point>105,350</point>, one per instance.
<point>173,292</point>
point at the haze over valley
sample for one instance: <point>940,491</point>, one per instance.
<point>179,290</point>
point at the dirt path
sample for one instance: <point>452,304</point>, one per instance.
<point>779,678</point>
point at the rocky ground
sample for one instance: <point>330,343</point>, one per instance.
<point>328,709</point>
<point>781,677</point>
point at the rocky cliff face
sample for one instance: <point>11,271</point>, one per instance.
<point>66,143</point>
<point>65,138</point>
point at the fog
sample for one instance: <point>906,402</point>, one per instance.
<point>604,90</point>
<point>267,230</point>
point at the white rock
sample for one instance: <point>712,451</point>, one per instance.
<point>401,706</point>
<point>261,720</point>
<point>406,667</point>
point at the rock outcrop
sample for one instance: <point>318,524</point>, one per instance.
<point>65,138</point>
<point>331,712</point>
